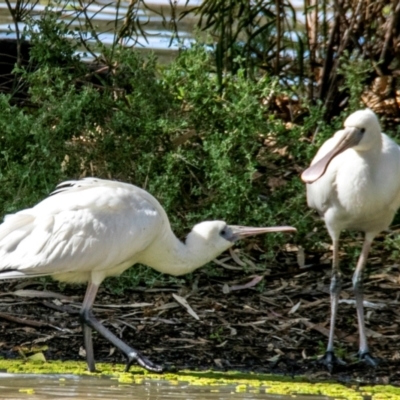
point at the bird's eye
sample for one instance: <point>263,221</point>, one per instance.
<point>362,130</point>
<point>223,232</point>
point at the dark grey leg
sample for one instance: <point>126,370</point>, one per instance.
<point>329,359</point>
<point>90,322</point>
<point>87,304</point>
<point>359,296</point>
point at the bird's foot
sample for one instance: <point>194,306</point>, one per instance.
<point>330,360</point>
<point>368,359</point>
<point>142,361</point>
<point>91,367</point>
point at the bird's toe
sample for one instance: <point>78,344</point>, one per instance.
<point>331,361</point>
<point>143,362</point>
<point>368,359</point>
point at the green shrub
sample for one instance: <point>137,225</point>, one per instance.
<point>205,153</point>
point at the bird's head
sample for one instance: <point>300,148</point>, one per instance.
<point>214,237</point>
<point>361,132</point>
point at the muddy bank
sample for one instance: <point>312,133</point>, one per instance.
<point>272,321</point>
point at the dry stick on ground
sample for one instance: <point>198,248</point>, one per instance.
<point>63,308</point>
<point>22,321</point>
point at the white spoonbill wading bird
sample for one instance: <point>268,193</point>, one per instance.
<point>354,183</point>
<point>90,229</point>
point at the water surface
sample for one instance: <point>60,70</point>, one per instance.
<point>46,387</point>
<point>155,20</point>
<point>155,23</point>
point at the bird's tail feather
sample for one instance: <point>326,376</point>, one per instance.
<point>14,274</point>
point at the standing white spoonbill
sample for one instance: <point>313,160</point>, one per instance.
<point>354,183</point>
<point>90,229</point>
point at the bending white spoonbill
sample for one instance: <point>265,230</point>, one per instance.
<point>90,229</point>
<point>354,183</point>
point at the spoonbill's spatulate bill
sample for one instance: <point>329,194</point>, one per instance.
<point>90,229</point>
<point>354,183</point>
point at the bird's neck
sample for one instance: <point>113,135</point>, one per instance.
<point>173,257</point>
<point>372,156</point>
<point>374,149</point>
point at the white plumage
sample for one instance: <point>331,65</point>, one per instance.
<point>82,229</point>
<point>90,229</point>
<point>354,183</point>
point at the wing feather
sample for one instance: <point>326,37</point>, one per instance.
<point>88,225</point>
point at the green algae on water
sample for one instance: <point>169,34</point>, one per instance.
<point>243,382</point>
<point>27,391</point>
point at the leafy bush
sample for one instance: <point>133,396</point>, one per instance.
<point>205,153</point>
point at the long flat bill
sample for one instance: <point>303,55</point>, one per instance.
<point>350,138</point>
<point>244,231</point>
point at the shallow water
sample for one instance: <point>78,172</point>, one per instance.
<point>46,387</point>
<point>159,38</point>
<point>155,22</point>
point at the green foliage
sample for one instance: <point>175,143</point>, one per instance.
<point>355,70</point>
<point>52,45</point>
<point>219,159</point>
<point>203,152</point>
<point>217,334</point>
<point>257,32</point>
